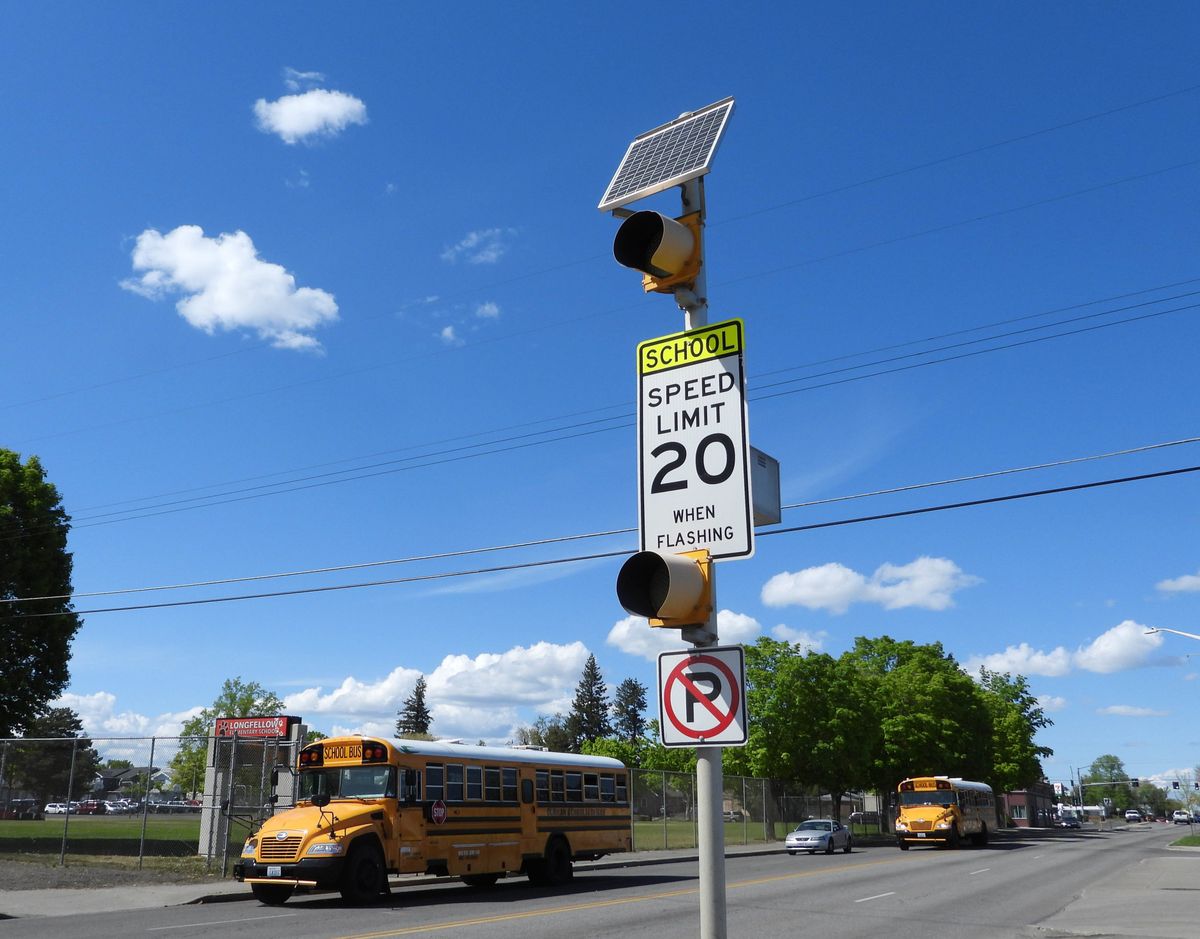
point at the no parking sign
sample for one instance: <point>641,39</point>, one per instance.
<point>701,697</point>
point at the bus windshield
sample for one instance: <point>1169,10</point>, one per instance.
<point>929,797</point>
<point>349,782</point>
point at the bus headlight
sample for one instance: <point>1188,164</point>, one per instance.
<point>901,826</point>
<point>248,850</point>
<point>324,847</point>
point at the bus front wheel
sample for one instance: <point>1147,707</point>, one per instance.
<point>364,877</point>
<point>270,894</point>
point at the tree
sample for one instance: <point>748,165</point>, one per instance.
<point>43,767</point>
<point>549,733</point>
<point>1106,778</point>
<point>414,717</point>
<point>35,635</point>
<point>1016,717</point>
<point>237,699</point>
<point>629,706</point>
<point>116,764</point>
<point>588,720</point>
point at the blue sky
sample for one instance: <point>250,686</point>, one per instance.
<point>290,289</point>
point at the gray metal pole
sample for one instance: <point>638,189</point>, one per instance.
<point>146,805</point>
<point>62,853</point>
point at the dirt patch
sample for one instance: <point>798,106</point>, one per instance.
<point>39,873</point>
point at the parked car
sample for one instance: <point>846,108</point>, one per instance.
<point>1181,817</point>
<point>1133,815</point>
<point>1069,821</point>
<point>19,809</point>
<point>92,807</point>
<point>55,808</point>
<point>819,834</point>
<point>733,816</point>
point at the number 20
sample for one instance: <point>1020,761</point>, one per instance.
<point>679,451</point>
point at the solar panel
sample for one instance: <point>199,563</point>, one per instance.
<point>668,155</point>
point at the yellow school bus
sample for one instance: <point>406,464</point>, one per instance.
<point>943,810</point>
<point>368,808</point>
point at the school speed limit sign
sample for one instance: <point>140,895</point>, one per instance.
<point>693,443</point>
<point>702,697</point>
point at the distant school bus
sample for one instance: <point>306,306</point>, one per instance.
<point>943,810</point>
<point>368,808</point>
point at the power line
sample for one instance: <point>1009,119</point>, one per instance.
<point>991,500</point>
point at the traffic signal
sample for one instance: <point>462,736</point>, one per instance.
<point>666,250</point>
<point>1175,784</point>
<point>1196,785</point>
<point>672,590</point>
<point>1134,783</point>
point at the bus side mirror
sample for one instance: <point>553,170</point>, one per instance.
<point>527,791</point>
<point>410,785</point>
<point>274,777</point>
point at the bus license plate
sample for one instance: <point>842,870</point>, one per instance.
<point>920,834</point>
<point>274,871</point>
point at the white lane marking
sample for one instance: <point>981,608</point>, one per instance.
<point>878,896</point>
<point>982,870</point>
<point>220,922</point>
<point>1036,857</point>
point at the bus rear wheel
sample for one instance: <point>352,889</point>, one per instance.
<point>981,839</point>
<point>270,894</point>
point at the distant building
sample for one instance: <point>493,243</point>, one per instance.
<point>1032,807</point>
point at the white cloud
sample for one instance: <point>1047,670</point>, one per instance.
<point>636,636</point>
<point>484,246</point>
<point>1123,647</point>
<point>353,696</point>
<point>1188,583</point>
<point>227,286</point>
<point>927,583</point>
<point>488,310</point>
<point>449,336</point>
<point>1129,710</point>
<point>540,676</point>
<point>1051,703</point>
<point>315,113</point>
<point>1022,660</point>
<point>295,79</point>
<point>100,718</point>
<point>807,642</point>
<point>1119,649</point>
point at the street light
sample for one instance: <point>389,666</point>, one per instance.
<point>1151,630</point>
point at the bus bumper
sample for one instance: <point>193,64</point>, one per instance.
<point>308,872</point>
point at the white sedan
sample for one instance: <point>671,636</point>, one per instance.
<point>819,834</point>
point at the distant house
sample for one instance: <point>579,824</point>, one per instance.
<point>119,781</point>
<point>1032,807</point>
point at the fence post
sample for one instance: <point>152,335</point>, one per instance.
<point>663,799</point>
<point>146,805</point>
<point>225,812</point>
<point>62,852</point>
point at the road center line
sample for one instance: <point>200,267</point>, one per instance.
<point>878,896</point>
<point>982,870</point>
<point>221,922</point>
<point>600,904</point>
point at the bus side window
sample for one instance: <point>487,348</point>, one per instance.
<point>434,776</point>
<point>608,788</point>
<point>622,789</point>
<point>557,791</point>
<point>574,787</point>
<point>410,790</point>
<point>508,776</point>
<point>454,782</point>
<point>543,785</point>
<point>475,783</point>
<point>491,783</point>
<point>591,787</point>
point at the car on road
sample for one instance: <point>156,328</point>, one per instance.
<point>1070,821</point>
<point>819,834</point>
<point>1181,817</point>
<point>1133,815</point>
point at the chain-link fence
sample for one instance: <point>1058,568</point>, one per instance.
<point>59,797</point>
<point>56,798</point>
<point>755,810</point>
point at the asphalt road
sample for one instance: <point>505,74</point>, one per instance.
<point>1118,883</point>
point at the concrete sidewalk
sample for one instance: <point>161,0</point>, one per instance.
<point>68,901</point>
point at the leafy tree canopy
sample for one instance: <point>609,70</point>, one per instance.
<point>43,768</point>
<point>237,699</point>
<point>34,562</point>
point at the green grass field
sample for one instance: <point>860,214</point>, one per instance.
<point>1188,841</point>
<point>166,836</point>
